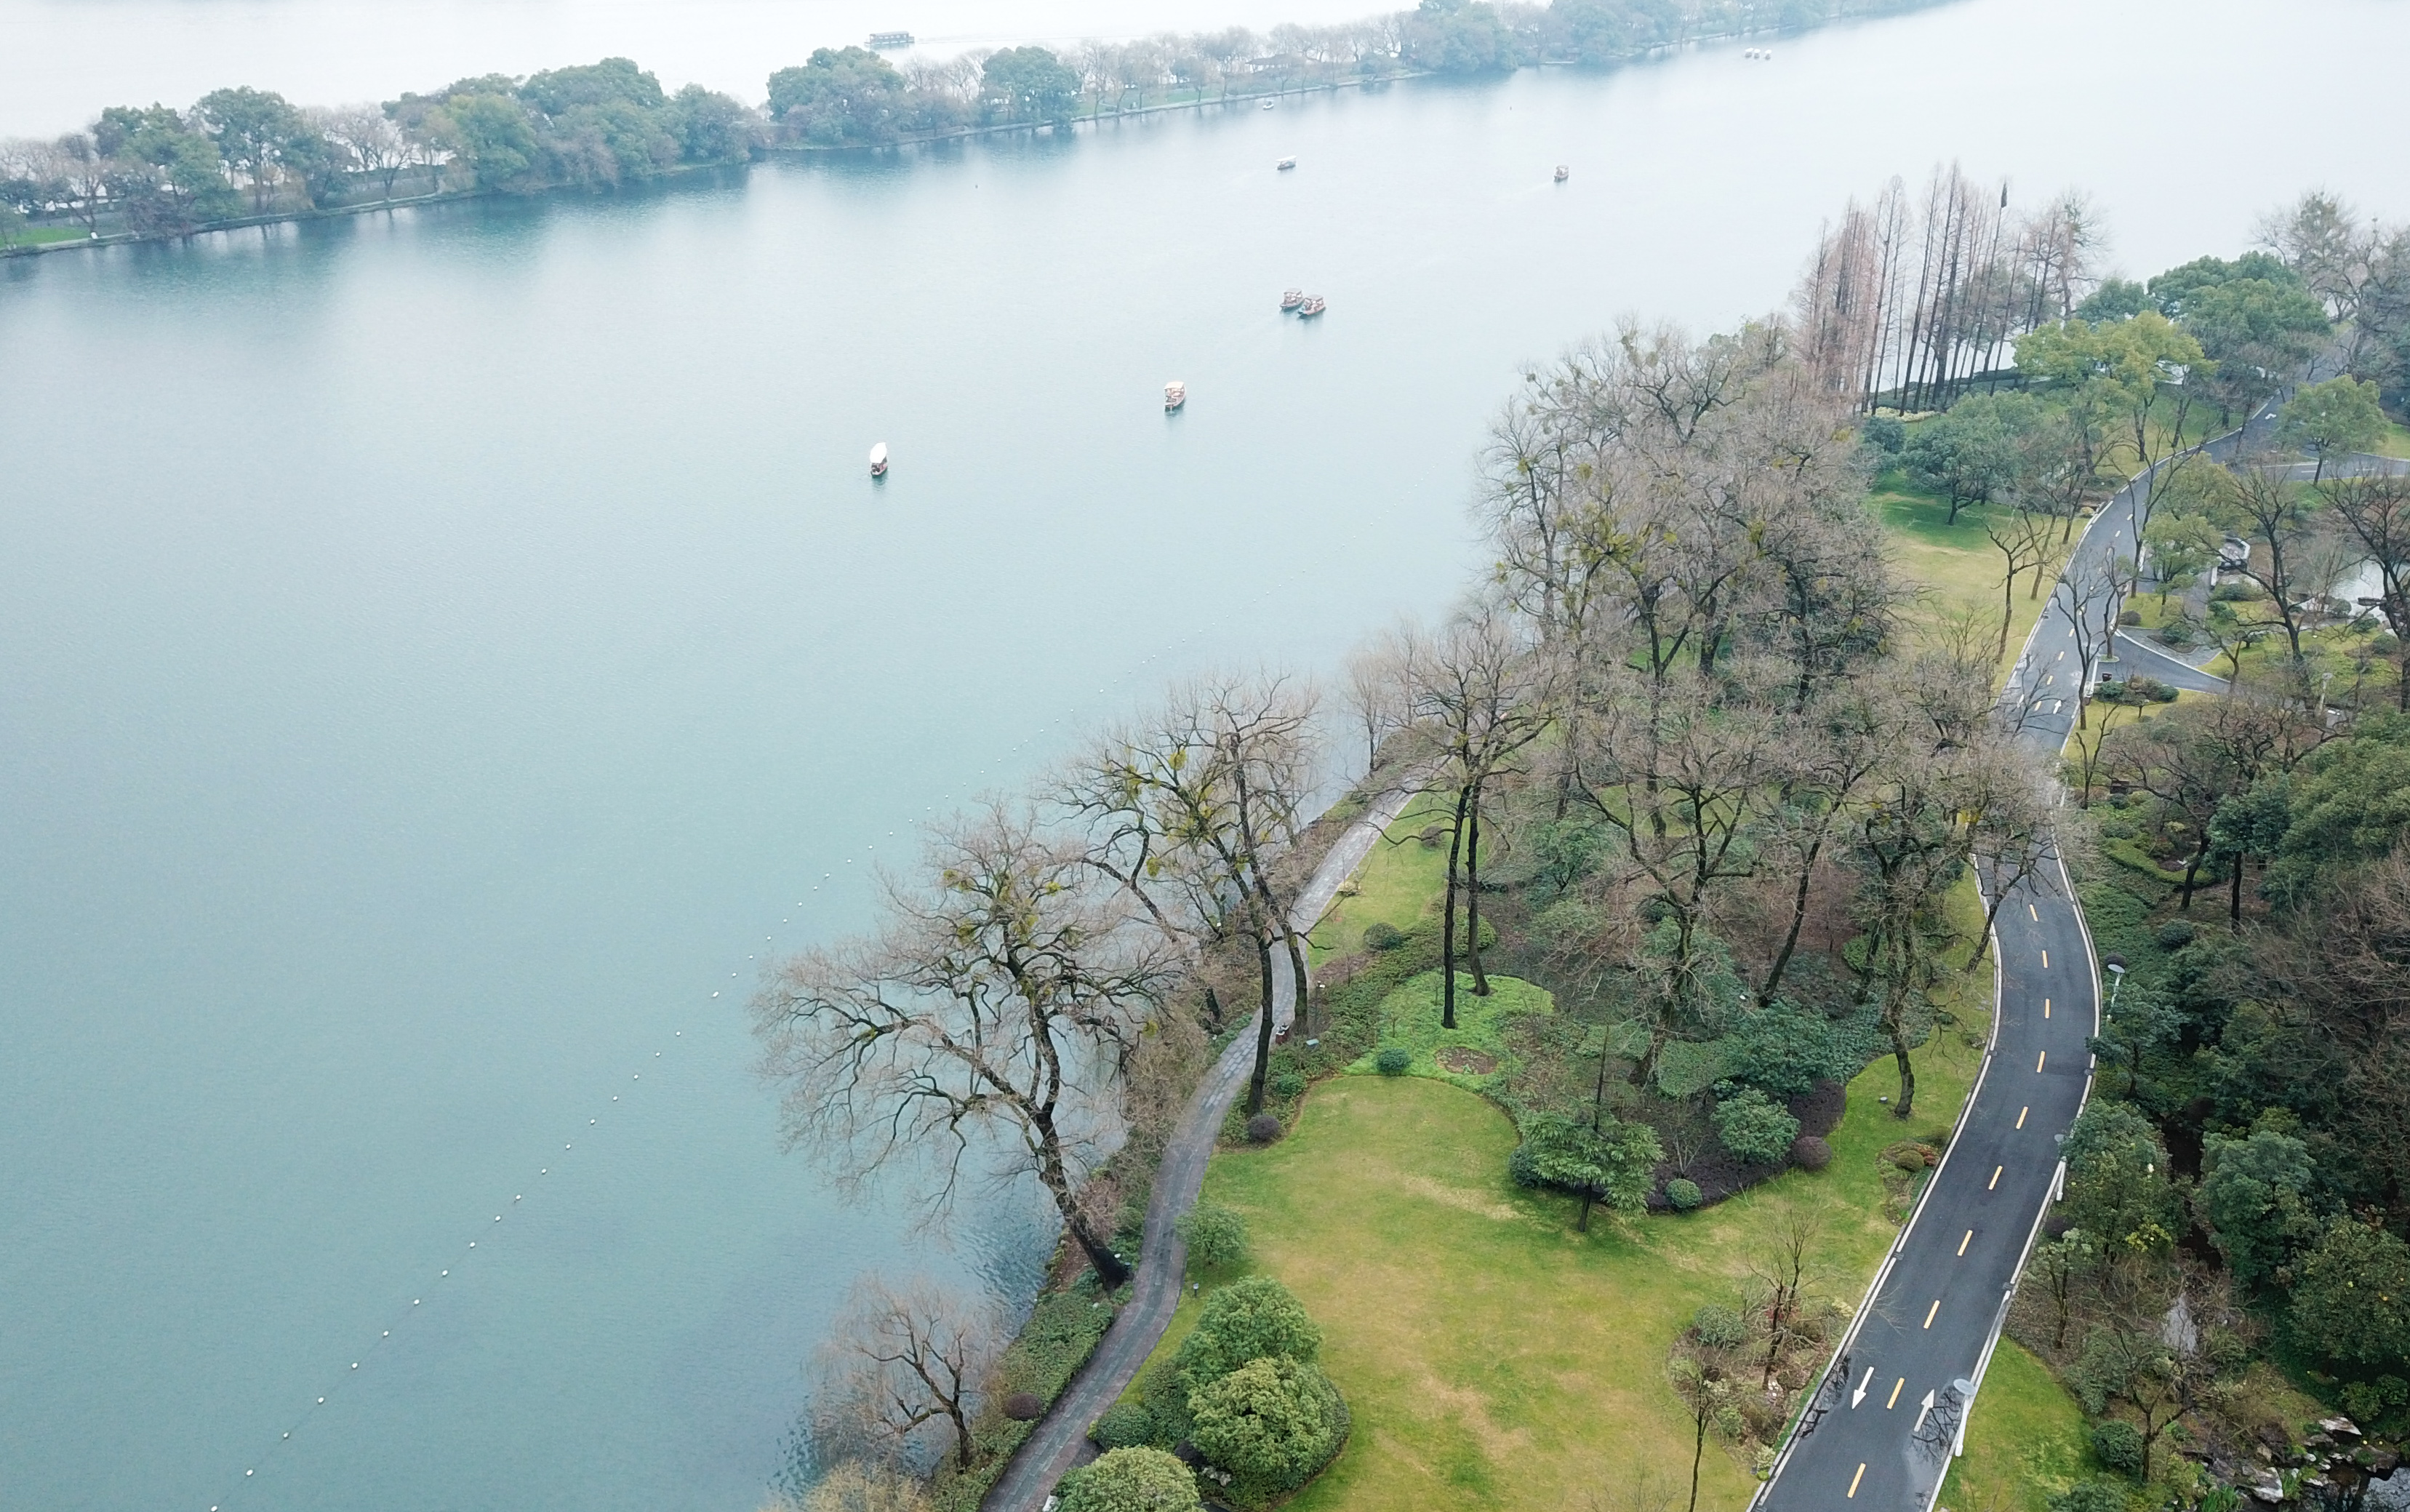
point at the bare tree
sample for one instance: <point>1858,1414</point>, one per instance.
<point>901,1359</point>
<point>1379,697</point>
<point>1204,802</point>
<point>854,1485</point>
<point>2276,511</point>
<point>1477,698</point>
<point>375,143</point>
<point>2375,513</point>
<point>989,1020</point>
<point>2023,538</point>
<point>1782,1267</point>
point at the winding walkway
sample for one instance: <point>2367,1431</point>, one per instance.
<point>1060,1441</point>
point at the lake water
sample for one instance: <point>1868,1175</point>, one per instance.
<point>440,652</point>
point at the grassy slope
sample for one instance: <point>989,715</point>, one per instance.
<point>1399,883</point>
<point>2025,1442</point>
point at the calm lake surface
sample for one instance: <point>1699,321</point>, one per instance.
<point>440,652</point>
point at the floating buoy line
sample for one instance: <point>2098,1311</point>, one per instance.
<point>1146,665</point>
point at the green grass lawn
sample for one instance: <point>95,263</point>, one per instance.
<point>41,235</point>
<point>1491,1355</point>
<point>1955,565</point>
<point>1398,885</point>
<point>2025,1441</point>
<point>2396,442</point>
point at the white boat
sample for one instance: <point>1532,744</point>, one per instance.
<point>1285,164</point>
<point>1267,104</point>
<point>1292,299</point>
<point>1563,173</point>
<point>1313,305</point>
<point>878,460</point>
<point>1175,394</point>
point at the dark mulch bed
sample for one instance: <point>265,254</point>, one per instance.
<point>1721,1175</point>
<point>1465,1062</point>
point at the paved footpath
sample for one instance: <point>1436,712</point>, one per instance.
<point>1060,1441</point>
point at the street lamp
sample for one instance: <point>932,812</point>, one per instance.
<point>2117,965</point>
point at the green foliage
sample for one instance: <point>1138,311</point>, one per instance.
<point>1272,1422</point>
<point>1755,1127</point>
<point>1611,1164</point>
<point>2175,290</point>
<point>2351,1298</point>
<point>2254,1199</point>
<point>490,135</point>
<point>1217,1236</point>
<point>2330,419</point>
<point>2119,1189</point>
<point>2118,1446</point>
<point>2117,299</point>
<point>2095,1495</point>
<point>1393,1060</point>
<point>1682,1194</point>
<point>1460,37</point>
<point>1885,433</point>
<point>162,175</point>
<point>1028,84</point>
<point>1124,1425</point>
<point>1248,1319</point>
<point>1785,1051</point>
<point>1130,1481</point>
<point>2181,548</point>
<point>1719,1326</point>
<point>841,97</point>
<point>1971,453</point>
<point>1166,1396</point>
<point>256,131</point>
<point>1381,935</point>
<point>2350,802</point>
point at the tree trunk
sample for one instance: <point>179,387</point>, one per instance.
<point>1448,920</point>
<point>1581,1225</point>
<point>2234,899</point>
<point>1263,1027</point>
<point>1698,1452</point>
<point>1473,893</point>
<point>1790,937</point>
<point>1107,1265</point>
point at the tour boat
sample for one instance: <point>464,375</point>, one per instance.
<point>1563,173</point>
<point>1292,299</point>
<point>1267,104</point>
<point>1285,164</point>
<point>1175,394</point>
<point>878,460</point>
<point>1313,305</point>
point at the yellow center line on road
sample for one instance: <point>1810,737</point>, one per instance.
<point>1895,1393</point>
<point>1964,1242</point>
<point>1995,1176</point>
<point>2030,915</point>
<point>1930,1311</point>
<point>2046,960</point>
<point>2038,1059</point>
<point>2021,1115</point>
<point>1854,1479</point>
<point>2045,1007</point>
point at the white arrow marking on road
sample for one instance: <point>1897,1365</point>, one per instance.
<point>1922,1410</point>
<point>1860,1394</point>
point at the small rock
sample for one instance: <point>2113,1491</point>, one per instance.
<point>2270,1491</point>
<point>2339,1427</point>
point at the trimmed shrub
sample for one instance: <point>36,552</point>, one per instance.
<point>1130,1481</point>
<point>1682,1194</point>
<point>1755,1127</point>
<point>1810,1152</point>
<point>2118,1446</point>
<point>1166,1396</point>
<point>1249,1319</point>
<point>2176,934</point>
<point>1271,1423</point>
<point>2130,616</point>
<point>1393,1060</point>
<point>2094,1495</point>
<point>1263,1129</point>
<point>1025,1406</point>
<point>1719,1328</point>
<point>1215,1236</point>
<point>1124,1425</point>
<point>1380,935</point>
<point>1289,1083</point>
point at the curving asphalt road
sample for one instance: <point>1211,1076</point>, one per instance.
<point>1892,1407</point>
<point>1060,1441</point>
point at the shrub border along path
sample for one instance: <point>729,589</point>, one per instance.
<point>1060,1441</point>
